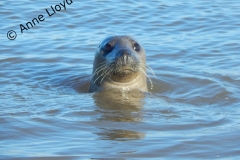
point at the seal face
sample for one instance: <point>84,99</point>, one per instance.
<point>120,63</point>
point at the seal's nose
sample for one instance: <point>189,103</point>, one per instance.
<point>123,53</point>
<point>125,56</point>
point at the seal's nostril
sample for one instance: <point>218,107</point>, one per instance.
<point>123,53</point>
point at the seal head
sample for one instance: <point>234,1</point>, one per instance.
<point>120,62</point>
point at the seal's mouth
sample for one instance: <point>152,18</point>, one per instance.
<point>125,70</point>
<point>123,73</point>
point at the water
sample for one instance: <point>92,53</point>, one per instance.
<point>191,113</point>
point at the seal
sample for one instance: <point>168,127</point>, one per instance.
<point>119,63</point>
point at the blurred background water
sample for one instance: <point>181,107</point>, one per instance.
<point>192,112</point>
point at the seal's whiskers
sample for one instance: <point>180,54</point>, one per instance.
<point>99,69</point>
<point>144,72</point>
<point>107,72</point>
<point>151,70</point>
<point>103,70</point>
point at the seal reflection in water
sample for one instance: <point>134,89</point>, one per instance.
<point>120,63</point>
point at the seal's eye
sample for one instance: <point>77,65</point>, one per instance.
<point>136,47</point>
<point>108,47</point>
